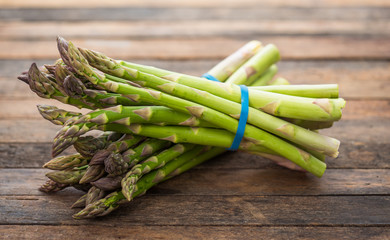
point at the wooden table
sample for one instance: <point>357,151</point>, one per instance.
<point>236,196</point>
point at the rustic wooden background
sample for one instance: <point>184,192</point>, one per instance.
<point>236,195</point>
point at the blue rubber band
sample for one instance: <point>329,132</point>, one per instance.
<point>243,118</point>
<point>210,77</point>
<point>243,114</point>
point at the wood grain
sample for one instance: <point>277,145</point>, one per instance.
<point>299,47</point>
<point>191,232</point>
<point>208,210</point>
<point>199,3</point>
<point>243,12</point>
<point>237,182</point>
<point>236,195</point>
<point>188,28</point>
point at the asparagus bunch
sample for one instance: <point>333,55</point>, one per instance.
<point>156,124</point>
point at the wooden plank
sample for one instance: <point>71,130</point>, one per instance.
<point>353,154</point>
<point>357,79</point>
<point>208,210</point>
<point>290,48</point>
<point>241,182</point>
<point>190,13</point>
<point>199,3</point>
<point>191,232</point>
<point>198,28</point>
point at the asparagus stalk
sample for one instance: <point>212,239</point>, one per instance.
<point>76,87</point>
<point>69,177</point>
<point>310,91</point>
<point>157,161</point>
<point>260,119</point>
<point>118,148</point>
<point>296,155</point>
<point>108,183</point>
<point>120,163</point>
<point>92,173</point>
<point>229,65</point>
<point>111,202</point>
<point>80,203</point>
<point>179,134</point>
<point>51,186</point>
<point>46,88</point>
<point>272,103</point>
<point>279,81</point>
<point>55,115</point>
<point>88,146</point>
<point>80,125</point>
<point>255,66</point>
<point>66,162</point>
<point>266,77</point>
<point>94,194</point>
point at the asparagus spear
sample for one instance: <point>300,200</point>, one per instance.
<point>157,161</point>
<point>108,183</point>
<point>296,155</point>
<point>255,66</point>
<point>120,163</point>
<point>70,177</point>
<point>66,162</point>
<point>88,146</point>
<point>76,87</point>
<point>55,115</point>
<point>118,148</point>
<point>279,81</point>
<point>111,202</point>
<point>92,173</point>
<point>260,119</point>
<point>52,186</point>
<point>266,77</point>
<point>229,65</point>
<point>272,103</point>
<point>80,125</point>
<point>45,88</point>
<point>310,91</point>
<point>94,194</point>
<point>80,203</point>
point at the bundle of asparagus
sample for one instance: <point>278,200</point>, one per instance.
<point>156,124</point>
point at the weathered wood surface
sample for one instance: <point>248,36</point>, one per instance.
<point>199,3</point>
<point>231,181</point>
<point>190,13</point>
<point>236,195</point>
<point>188,28</point>
<point>228,210</point>
<point>300,48</point>
<point>192,232</point>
